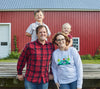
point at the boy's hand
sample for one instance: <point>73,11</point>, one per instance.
<point>57,84</point>
<point>28,34</point>
<point>20,77</point>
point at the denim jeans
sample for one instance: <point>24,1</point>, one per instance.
<point>30,85</point>
<point>72,85</point>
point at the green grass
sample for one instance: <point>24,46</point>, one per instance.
<point>91,61</point>
<point>83,61</point>
<point>8,60</point>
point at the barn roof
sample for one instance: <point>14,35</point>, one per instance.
<point>12,5</point>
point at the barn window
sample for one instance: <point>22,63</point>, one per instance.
<point>76,43</point>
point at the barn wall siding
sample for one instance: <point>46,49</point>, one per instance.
<point>84,25</point>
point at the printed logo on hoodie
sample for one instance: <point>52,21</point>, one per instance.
<point>63,61</point>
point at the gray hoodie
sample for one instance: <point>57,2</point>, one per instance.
<point>67,67</point>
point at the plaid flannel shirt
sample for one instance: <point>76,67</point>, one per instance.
<point>37,57</point>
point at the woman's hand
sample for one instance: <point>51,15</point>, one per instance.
<point>58,85</point>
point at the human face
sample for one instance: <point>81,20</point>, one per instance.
<point>42,34</point>
<point>66,29</point>
<point>60,40</point>
<point>39,16</point>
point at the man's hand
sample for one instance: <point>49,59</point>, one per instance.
<point>57,84</point>
<point>20,77</point>
<point>50,77</point>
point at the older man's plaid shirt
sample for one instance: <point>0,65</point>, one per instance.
<point>37,57</point>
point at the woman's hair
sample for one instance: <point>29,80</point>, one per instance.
<point>60,33</point>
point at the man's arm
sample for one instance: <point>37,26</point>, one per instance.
<point>21,62</point>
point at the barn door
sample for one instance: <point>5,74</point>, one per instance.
<point>4,40</point>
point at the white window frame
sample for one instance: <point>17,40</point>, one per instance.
<point>77,44</point>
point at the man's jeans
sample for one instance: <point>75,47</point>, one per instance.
<point>72,85</point>
<point>30,85</point>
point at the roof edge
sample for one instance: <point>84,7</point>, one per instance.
<point>57,9</point>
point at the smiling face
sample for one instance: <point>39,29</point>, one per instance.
<point>39,16</point>
<point>42,34</point>
<point>60,41</point>
<point>66,29</point>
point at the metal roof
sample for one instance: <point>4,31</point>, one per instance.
<point>49,5</point>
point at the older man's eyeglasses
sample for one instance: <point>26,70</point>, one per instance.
<point>60,39</point>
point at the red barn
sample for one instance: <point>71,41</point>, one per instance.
<point>83,15</point>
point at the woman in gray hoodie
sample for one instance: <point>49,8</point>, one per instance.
<point>66,64</point>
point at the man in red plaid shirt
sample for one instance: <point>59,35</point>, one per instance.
<point>37,56</point>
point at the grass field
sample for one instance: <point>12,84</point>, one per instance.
<point>8,60</point>
<point>83,61</point>
<point>91,61</point>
